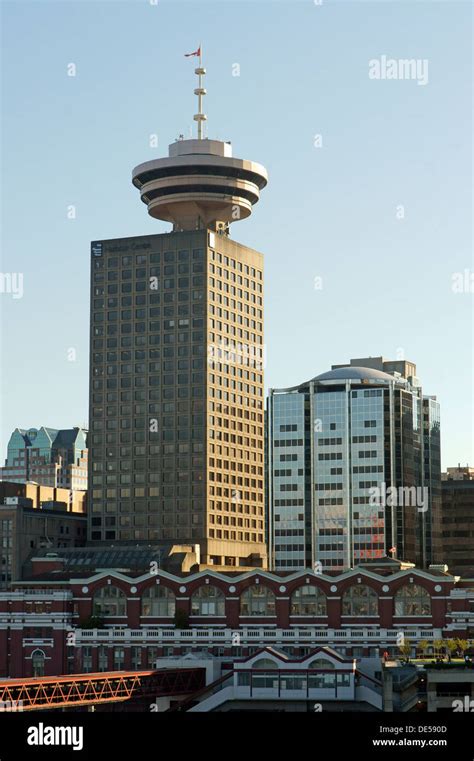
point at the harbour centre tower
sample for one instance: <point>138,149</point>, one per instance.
<point>176,364</point>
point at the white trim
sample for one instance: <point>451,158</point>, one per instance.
<point>316,626</point>
<point>261,574</point>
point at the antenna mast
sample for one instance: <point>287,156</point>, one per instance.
<point>200,91</point>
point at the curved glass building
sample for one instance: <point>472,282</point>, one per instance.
<point>353,468</point>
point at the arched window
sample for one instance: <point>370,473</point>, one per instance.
<point>158,601</point>
<point>412,600</point>
<point>359,600</point>
<point>264,663</point>
<point>110,601</point>
<point>321,663</point>
<point>37,660</point>
<point>308,601</point>
<point>208,601</point>
<point>257,600</point>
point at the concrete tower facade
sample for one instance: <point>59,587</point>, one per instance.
<point>176,395</point>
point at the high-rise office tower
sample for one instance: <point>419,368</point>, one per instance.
<point>457,488</point>
<point>176,391</point>
<point>354,468</point>
<point>49,456</point>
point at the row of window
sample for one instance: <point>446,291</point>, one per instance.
<point>259,600</point>
<point>235,264</point>
<point>154,258</point>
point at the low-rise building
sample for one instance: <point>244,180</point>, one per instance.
<point>33,518</point>
<point>61,621</point>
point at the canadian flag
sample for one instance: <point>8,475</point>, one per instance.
<point>196,52</point>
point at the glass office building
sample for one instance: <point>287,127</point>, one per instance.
<point>353,471</point>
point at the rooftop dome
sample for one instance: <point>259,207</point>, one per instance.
<point>355,373</point>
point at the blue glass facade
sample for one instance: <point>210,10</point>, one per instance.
<point>288,481</point>
<point>350,458</point>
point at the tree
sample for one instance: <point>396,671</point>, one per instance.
<point>93,622</point>
<point>452,647</point>
<point>405,649</point>
<point>439,646</point>
<point>462,645</point>
<point>423,646</point>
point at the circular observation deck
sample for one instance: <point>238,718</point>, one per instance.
<point>199,185</point>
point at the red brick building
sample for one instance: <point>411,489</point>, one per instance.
<point>111,619</point>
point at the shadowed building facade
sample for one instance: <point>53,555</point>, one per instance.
<point>458,519</point>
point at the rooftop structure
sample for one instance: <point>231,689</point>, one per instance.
<point>200,185</point>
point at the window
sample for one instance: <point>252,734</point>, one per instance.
<point>158,601</point>
<point>264,663</point>
<point>308,601</point>
<point>109,601</point>
<point>37,662</point>
<point>359,600</point>
<point>322,681</point>
<point>257,601</point>
<point>412,600</point>
<point>136,657</point>
<point>103,658</point>
<point>208,601</point>
<point>320,663</point>
<point>119,658</point>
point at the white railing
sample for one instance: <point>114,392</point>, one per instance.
<point>244,637</point>
<point>45,642</point>
<point>53,594</point>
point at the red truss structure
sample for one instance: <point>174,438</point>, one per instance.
<point>104,687</point>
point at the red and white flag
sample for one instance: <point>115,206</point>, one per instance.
<point>196,52</point>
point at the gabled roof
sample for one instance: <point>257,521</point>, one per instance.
<point>50,432</point>
<point>65,438</point>
<point>284,657</point>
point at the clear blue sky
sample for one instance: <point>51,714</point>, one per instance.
<point>327,212</point>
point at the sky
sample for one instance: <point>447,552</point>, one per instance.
<point>365,225</point>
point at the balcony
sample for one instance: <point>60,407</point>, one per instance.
<point>38,642</point>
<point>245,637</point>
